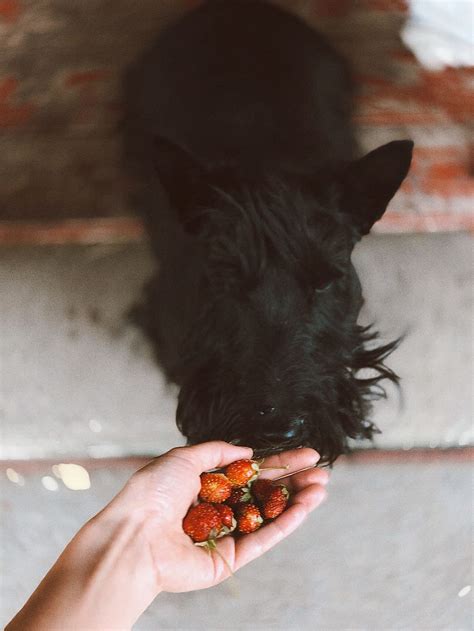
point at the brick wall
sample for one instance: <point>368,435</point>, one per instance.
<point>60,68</point>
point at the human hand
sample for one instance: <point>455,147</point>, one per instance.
<point>135,547</point>
<point>161,493</point>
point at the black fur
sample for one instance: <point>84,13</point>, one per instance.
<point>244,113</point>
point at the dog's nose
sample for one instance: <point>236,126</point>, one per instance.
<point>267,410</point>
<point>292,430</point>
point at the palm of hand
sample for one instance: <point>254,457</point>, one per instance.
<point>166,488</point>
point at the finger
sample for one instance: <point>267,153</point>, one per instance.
<point>300,481</point>
<point>310,497</point>
<point>254,545</point>
<point>293,460</point>
<point>212,455</point>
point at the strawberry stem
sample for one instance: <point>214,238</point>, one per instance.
<point>260,461</point>
<point>213,546</point>
<point>286,467</point>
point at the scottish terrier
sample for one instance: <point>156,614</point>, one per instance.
<point>243,113</point>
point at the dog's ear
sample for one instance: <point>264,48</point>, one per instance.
<point>370,183</point>
<point>181,176</point>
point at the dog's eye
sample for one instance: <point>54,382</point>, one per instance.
<point>323,286</point>
<point>326,278</point>
<point>318,290</point>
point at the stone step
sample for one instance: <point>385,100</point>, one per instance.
<point>389,549</point>
<point>79,380</point>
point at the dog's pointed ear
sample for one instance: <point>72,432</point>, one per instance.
<point>180,174</point>
<point>370,183</point>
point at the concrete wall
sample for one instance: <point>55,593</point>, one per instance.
<point>78,380</point>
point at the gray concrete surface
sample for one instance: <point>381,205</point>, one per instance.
<point>421,286</point>
<point>76,377</point>
<point>390,549</point>
<point>78,380</point>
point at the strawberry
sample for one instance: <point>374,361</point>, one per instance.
<point>215,488</point>
<point>227,518</point>
<point>249,518</point>
<point>241,472</point>
<point>238,495</point>
<point>202,522</point>
<point>261,488</point>
<point>275,501</point>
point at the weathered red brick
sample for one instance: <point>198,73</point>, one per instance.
<point>11,114</point>
<point>9,10</point>
<point>403,54</point>
<point>7,87</point>
<point>433,98</point>
<point>85,77</point>
<point>445,186</point>
<point>83,231</point>
<point>86,84</point>
<point>442,171</point>
<point>451,90</point>
<point>127,229</point>
<point>371,112</point>
<point>405,222</point>
<point>392,6</point>
<point>447,152</point>
<point>447,170</point>
<point>332,9</point>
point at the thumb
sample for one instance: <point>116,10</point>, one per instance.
<point>212,455</point>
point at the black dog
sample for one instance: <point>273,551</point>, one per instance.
<point>244,113</point>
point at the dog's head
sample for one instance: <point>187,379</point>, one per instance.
<point>274,356</point>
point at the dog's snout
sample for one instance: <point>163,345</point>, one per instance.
<point>290,431</point>
<point>274,436</point>
<point>267,410</point>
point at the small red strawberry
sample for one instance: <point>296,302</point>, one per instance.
<point>242,472</point>
<point>274,503</point>
<point>215,488</point>
<point>238,495</point>
<point>227,518</point>
<point>249,518</point>
<point>261,488</point>
<point>202,522</point>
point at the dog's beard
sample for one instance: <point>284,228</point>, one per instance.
<point>336,406</point>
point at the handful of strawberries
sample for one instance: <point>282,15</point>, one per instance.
<point>233,500</point>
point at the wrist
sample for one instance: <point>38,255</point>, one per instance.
<point>118,556</point>
<point>105,579</point>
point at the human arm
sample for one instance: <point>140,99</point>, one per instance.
<point>135,547</point>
